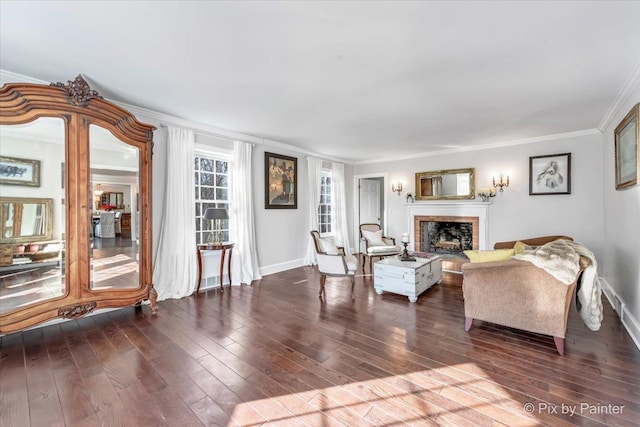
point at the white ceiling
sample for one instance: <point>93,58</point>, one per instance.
<point>355,80</point>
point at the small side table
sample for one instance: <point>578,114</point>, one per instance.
<point>224,247</point>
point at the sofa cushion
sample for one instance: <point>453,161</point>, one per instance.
<point>488,256</point>
<point>352,262</point>
<point>328,246</point>
<point>384,249</point>
<point>374,238</point>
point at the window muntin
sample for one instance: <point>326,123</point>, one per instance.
<point>325,215</point>
<point>212,191</point>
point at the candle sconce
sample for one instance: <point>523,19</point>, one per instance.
<point>501,183</point>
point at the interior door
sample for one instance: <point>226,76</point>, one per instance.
<point>370,201</point>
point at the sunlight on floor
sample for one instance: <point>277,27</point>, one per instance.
<point>419,398</point>
<point>118,271</point>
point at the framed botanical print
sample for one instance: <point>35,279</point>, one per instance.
<point>550,174</point>
<point>281,181</point>
<point>627,155</point>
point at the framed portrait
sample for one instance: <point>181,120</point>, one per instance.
<point>281,181</point>
<point>627,157</point>
<point>17,171</point>
<point>550,174</point>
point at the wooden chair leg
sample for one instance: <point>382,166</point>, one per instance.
<point>559,345</point>
<point>467,323</point>
<point>353,285</point>
<point>323,279</point>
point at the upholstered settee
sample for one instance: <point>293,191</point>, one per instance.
<point>517,294</point>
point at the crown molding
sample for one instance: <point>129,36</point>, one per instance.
<point>163,119</point>
<point>553,137</point>
<point>632,82</point>
<point>11,77</point>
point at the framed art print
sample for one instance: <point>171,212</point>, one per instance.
<point>550,174</point>
<point>19,171</point>
<point>627,157</point>
<point>281,181</point>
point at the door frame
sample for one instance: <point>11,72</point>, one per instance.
<point>356,204</point>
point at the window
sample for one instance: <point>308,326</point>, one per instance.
<point>212,191</point>
<point>324,208</point>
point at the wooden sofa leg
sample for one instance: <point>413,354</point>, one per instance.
<point>559,345</point>
<point>467,323</point>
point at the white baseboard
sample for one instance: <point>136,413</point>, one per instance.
<point>283,266</point>
<point>629,322</point>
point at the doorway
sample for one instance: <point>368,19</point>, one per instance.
<point>370,203</point>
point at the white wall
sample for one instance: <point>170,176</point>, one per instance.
<point>622,228</point>
<point>514,214</point>
<point>281,234</point>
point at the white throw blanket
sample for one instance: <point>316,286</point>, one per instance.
<point>561,259</point>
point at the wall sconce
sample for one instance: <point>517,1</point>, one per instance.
<point>501,183</point>
<point>396,187</point>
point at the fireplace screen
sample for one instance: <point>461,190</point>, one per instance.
<point>444,237</point>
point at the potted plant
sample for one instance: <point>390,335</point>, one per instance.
<point>108,208</point>
<point>486,193</point>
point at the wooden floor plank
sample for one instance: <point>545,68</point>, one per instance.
<point>274,354</point>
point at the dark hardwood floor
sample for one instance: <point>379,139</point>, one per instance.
<point>275,354</point>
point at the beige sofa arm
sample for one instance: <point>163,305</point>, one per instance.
<point>516,294</point>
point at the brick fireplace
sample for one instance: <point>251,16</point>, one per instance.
<point>448,227</point>
<point>445,234</point>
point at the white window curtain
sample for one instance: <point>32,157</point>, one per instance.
<point>175,268</point>
<point>340,206</point>
<point>314,172</point>
<point>244,264</point>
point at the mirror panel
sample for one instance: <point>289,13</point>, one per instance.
<point>450,184</point>
<point>115,181</point>
<point>25,219</point>
<point>32,213</point>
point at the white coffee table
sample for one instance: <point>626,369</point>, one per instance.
<point>410,278</point>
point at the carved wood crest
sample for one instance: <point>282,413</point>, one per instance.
<point>78,91</point>
<point>75,311</point>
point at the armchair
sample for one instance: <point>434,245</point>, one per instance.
<point>333,262</point>
<point>375,244</point>
<point>116,223</point>
<point>106,227</point>
<point>517,294</point>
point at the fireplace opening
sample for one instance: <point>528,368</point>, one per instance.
<point>444,237</point>
<point>447,236</point>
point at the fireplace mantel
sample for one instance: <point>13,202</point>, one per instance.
<point>462,208</point>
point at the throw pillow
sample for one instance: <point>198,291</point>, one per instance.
<point>519,247</point>
<point>374,237</point>
<point>328,246</point>
<point>488,256</point>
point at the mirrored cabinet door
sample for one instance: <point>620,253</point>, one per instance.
<point>75,205</point>
<point>32,268</point>
<point>115,250</point>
